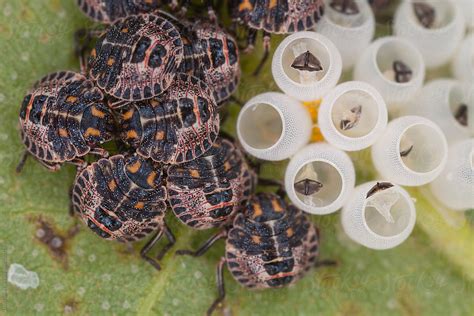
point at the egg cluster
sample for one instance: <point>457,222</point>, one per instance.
<point>419,132</point>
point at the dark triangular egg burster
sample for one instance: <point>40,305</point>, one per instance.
<point>347,7</point>
<point>307,62</point>
<point>308,187</point>
<point>403,73</point>
<point>425,14</point>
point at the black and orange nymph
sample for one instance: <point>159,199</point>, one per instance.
<point>176,127</point>
<point>209,191</point>
<point>271,244</point>
<point>63,118</point>
<point>137,57</point>
<point>123,198</point>
<point>219,58</point>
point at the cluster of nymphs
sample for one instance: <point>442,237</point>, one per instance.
<point>152,88</point>
<point>427,140</point>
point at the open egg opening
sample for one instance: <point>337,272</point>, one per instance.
<point>350,26</point>
<point>352,15</point>
<point>460,106</point>
<point>273,126</point>
<point>319,178</point>
<point>306,65</point>
<point>434,27</point>
<point>432,14</point>
<point>354,114</point>
<point>397,62</point>
<point>412,151</point>
<point>260,126</point>
<point>387,213</point>
<point>419,148</point>
<point>379,215</point>
<point>314,51</point>
<point>318,183</point>
<point>449,104</point>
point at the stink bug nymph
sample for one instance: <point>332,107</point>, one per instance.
<point>179,126</point>
<point>137,57</point>
<point>63,118</point>
<point>124,199</point>
<point>271,244</point>
<point>207,192</point>
<point>219,59</point>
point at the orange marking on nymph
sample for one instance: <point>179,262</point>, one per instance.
<point>71,99</point>
<point>256,239</point>
<point>151,179</point>
<point>272,4</point>
<point>276,206</point>
<point>97,113</point>
<point>289,232</point>
<point>29,107</point>
<point>139,205</point>
<point>257,211</point>
<point>133,168</point>
<point>227,166</point>
<point>245,5</point>
<point>128,115</point>
<point>160,135</point>
<point>132,134</point>
<point>110,61</point>
<point>112,185</point>
<point>194,173</point>
<point>92,132</point>
<point>63,132</point>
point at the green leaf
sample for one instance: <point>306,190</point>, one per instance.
<point>430,274</point>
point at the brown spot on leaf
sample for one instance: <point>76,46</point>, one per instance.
<point>44,38</point>
<point>71,306</point>
<point>56,241</point>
